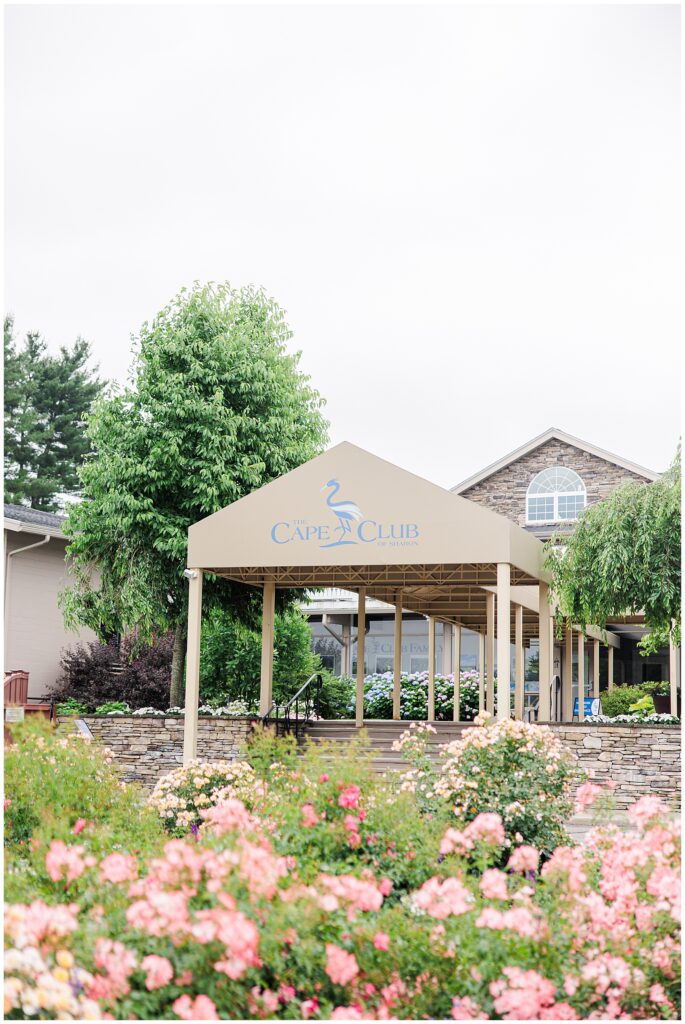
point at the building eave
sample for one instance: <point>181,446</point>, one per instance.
<point>16,526</point>
<point>554,434</point>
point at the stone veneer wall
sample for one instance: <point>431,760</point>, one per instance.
<point>146,748</point>
<point>505,491</point>
<point>640,760</point>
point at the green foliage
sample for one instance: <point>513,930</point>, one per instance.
<point>521,772</point>
<point>621,700</point>
<point>216,408</point>
<point>230,660</point>
<point>71,706</point>
<point>53,781</point>
<point>46,401</point>
<point>623,557</point>
<point>113,705</point>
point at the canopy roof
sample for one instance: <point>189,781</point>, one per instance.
<point>350,519</point>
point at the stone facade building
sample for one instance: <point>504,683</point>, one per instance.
<point>504,486</point>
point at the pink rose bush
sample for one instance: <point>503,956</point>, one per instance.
<point>222,925</point>
<point>518,771</point>
<point>330,895</point>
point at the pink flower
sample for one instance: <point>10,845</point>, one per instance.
<point>346,1013</point>
<point>493,885</point>
<point>657,994</point>
<point>64,861</point>
<point>466,1009</point>
<point>309,816</point>
<point>349,797</point>
<point>79,826</point>
<point>309,1007</point>
<point>323,778</point>
<point>561,1011</point>
<point>443,899</point>
<point>159,971</point>
<point>587,794</point>
<point>118,867</point>
<point>455,841</point>
<point>522,995</point>
<point>385,886</point>
<point>524,858</point>
<point>646,808</point>
<point>381,941</point>
<point>487,828</point>
<point>201,1008</point>
<point>341,967</point>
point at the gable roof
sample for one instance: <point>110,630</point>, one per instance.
<point>553,434</point>
<point>23,519</point>
<point>399,519</point>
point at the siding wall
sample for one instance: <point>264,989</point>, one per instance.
<point>34,629</point>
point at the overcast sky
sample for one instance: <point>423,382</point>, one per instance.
<point>470,214</point>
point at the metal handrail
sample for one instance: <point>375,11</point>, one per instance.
<point>311,702</point>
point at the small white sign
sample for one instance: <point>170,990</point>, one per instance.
<point>14,714</point>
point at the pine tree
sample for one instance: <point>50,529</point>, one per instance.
<point>46,400</point>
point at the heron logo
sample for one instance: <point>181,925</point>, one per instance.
<point>346,526</point>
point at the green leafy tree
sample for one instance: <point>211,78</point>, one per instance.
<point>216,407</point>
<point>46,401</point>
<point>623,558</point>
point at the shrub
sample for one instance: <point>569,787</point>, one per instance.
<point>223,926</point>
<point>56,786</point>
<point>113,707</point>
<point>182,794</point>
<point>70,706</point>
<point>231,658</point>
<point>137,674</point>
<point>518,771</point>
<point>378,689</point>
<point>617,701</point>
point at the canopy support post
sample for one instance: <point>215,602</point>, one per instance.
<point>192,694</point>
<point>503,640</point>
<point>673,674</point>
<point>595,669</point>
<point>456,670</point>
<point>610,668</point>
<point>267,672</point>
<point>519,662</point>
<point>431,668</point>
<point>544,655</point>
<point>490,651</point>
<point>361,637</point>
<point>581,675</point>
<point>481,673</point>
<point>397,664</point>
<point>567,696</point>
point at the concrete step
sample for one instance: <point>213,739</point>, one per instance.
<point>381,735</point>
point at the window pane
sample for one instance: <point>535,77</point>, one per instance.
<point>570,505</point>
<point>540,510</point>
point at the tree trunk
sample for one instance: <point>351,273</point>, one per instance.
<point>178,662</point>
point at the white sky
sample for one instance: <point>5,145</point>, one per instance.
<point>471,214</point>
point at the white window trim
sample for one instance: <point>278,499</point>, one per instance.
<point>554,495</point>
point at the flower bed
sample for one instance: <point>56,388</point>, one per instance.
<point>378,690</point>
<point>326,893</point>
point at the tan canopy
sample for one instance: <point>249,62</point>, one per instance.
<point>350,519</point>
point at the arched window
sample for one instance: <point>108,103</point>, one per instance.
<point>555,495</point>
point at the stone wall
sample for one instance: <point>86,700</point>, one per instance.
<point>639,759</point>
<point>146,748</point>
<point>505,491</point>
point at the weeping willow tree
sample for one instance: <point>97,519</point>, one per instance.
<point>623,558</point>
